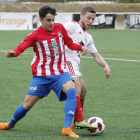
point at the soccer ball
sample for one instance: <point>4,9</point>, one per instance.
<point>97,122</point>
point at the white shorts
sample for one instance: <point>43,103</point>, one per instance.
<point>73,69</point>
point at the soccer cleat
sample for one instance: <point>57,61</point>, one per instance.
<point>84,125</point>
<point>68,132</point>
<point>5,126</point>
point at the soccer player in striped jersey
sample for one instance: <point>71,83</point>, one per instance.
<point>48,69</point>
<point>77,31</point>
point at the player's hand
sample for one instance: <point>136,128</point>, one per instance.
<point>107,71</point>
<point>9,54</point>
<point>84,49</point>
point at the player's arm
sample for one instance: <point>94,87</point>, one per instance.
<point>27,42</point>
<point>100,61</point>
<point>73,46</point>
<point>16,52</point>
<point>77,47</point>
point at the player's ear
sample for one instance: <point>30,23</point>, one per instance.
<point>40,20</point>
<point>81,15</point>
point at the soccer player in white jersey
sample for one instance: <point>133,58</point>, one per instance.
<point>48,69</point>
<point>77,31</point>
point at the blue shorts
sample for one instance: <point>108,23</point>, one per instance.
<point>42,85</point>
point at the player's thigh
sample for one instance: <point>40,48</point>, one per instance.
<point>77,85</point>
<point>83,88</point>
<point>30,100</point>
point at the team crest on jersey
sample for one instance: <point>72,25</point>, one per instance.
<point>59,34</point>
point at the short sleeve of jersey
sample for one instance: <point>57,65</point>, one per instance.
<point>67,39</point>
<point>91,46</point>
<point>28,41</point>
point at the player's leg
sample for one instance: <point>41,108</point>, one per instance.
<point>20,112</point>
<point>79,121</point>
<point>69,108</point>
<point>64,89</point>
<point>78,117</point>
<point>34,93</point>
<point>73,68</point>
<point>83,92</point>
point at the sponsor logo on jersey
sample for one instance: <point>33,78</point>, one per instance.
<point>55,48</point>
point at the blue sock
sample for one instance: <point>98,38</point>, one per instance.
<point>70,107</point>
<point>19,114</point>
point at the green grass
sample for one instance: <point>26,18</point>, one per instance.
<point>115,100</point>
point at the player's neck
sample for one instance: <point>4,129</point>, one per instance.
<point>81,25</point>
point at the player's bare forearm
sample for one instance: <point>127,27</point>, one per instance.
<point>100,61</point>
<point>10,54</point>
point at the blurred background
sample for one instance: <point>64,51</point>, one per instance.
<point>114,14</point>
<point>63,1</point>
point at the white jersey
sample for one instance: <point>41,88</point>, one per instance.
<point>81,37</point>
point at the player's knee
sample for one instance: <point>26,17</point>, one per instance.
<point>78,91</point>
<point>83,95</point>
<point>68,85</point>
<point>85,91</point>
<point>27,106</point>
<point>71,94</point>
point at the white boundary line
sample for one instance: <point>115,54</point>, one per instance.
<point>92,57</point>
<point>115,59</point>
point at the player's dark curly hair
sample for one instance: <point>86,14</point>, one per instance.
<point>89,9</point>
<point>46,10</point>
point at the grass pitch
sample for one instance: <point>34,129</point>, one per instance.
<point>115,100</point>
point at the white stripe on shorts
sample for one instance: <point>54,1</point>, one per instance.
<point>70,68</point>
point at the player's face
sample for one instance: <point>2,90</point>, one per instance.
<point>48,22</point>
<point>86,20</point>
